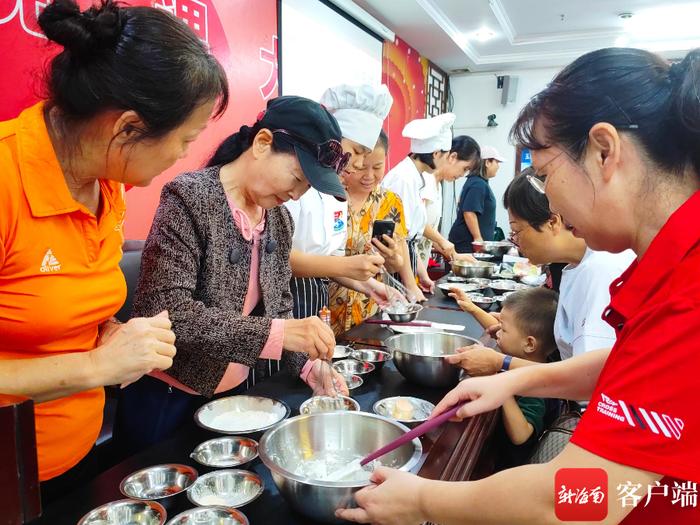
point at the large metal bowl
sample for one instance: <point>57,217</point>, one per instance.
<point>158,482</point>
<point>481,269</point>
<point>210,516</point>
<point>420,358</point>
<point>226,452</point>
<point>302,442</point>
<point>209,416</point>
<point>126,512</point>
<point>492,247</point>
<point>226,488</point>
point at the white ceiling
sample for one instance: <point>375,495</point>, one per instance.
<point>529,33</point>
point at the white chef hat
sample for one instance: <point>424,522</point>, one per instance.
<point>430,134</point>
<point>359,110</point>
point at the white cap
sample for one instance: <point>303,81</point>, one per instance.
<point>430,134</point>
<point>489,152</point>
<point>359,110</point>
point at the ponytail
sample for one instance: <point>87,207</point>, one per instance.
<point>235,145</point>
<point>685,106</point>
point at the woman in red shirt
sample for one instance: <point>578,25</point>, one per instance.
<point>615,139</point>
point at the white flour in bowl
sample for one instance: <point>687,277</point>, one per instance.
<point>323,464</point>
<point>242,421</point>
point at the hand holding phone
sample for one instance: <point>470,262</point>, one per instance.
<point>382,227</point>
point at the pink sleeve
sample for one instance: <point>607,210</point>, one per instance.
<point>273,347</point>
<point>306,376</point>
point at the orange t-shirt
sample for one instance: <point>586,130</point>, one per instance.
<point>59,278</point>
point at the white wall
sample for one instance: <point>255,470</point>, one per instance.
<point>313,37</point>
<point>476,96</point>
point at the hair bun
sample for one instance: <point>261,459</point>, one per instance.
<point>82,33</point>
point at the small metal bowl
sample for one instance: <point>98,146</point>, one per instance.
<point>482,301</point>
<point>352,381</point>
<point>492,247</point>
<point>404,409</point>
<point>226,488</point>
<point>407,316</point>
<point>341,352</point>
<point>371,355</point>
<point>445,288</point>
<point>210,516</point>
<point>504,275</point>
<point>481,269</point>
<point>456,279</point>
<point>502,285</point>
<point>483,256</point>
<point>209,416</point>
<point>126,512</point>
<point>226,452</point>
<point>158,482</point>
<point>353,367</point>
<point>480,282</point>
<point>317,404</point>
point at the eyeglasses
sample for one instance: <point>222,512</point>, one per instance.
<point>513,236</point>
<point>539,181</point>
<point>329,154</point>
<point>536,182</point>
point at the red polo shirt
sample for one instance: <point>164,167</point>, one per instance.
<point>644,411</point>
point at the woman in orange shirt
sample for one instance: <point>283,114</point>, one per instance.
<point>131,89</point>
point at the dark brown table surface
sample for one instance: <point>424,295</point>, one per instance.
<point>456,451</point>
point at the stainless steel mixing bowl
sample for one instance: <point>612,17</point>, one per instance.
<point>290,447</point>
<point>420,358</point>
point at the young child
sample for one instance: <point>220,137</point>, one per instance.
<point>527,332</point>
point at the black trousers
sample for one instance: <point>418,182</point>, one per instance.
<point>55,488</point>
<point>150,411</point>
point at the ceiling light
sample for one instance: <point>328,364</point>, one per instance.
<point>484,34</point>
<point>665,22</point>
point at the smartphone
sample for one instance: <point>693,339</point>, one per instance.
<point>380,228</point>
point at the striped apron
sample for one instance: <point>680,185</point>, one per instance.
<point>310,295</point>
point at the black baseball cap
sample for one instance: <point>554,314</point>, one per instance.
<point>310,121</point>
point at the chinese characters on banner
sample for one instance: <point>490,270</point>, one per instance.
<point>242,34</point>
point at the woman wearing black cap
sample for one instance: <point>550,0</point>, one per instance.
<point>217,258</point>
